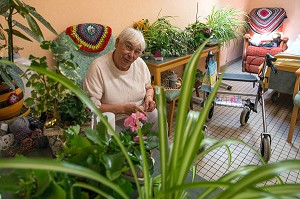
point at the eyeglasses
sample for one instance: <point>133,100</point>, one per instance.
<point>129,47</point>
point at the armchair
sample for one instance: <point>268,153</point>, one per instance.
<point>265,36</point>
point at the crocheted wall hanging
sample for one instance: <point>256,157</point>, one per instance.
<point>90,36</point>
<point>266,20</point>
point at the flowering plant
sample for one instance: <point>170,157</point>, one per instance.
<point>130,139</point>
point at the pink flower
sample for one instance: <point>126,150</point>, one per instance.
<point>131,121</point>
<point>141,116</point>
<point>157,54</point>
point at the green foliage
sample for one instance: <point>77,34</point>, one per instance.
<point>223,25</point>
<point>226,24</point>
<point>72,111</point>
<point>198,32</point>
<point>51,97</point>
<point>96,150</point>
<point>10,73</point>
<point>161,36</point>
<point>176,159</point>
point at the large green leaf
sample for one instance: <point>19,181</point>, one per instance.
<point>29,102</point>
<point>4,6</point>
<point>114,164</point>
<point>16,77</point>
<point>54,191</point>
<point>261,174</point>
<point>18,34</point>
<point>184,100</point>
<point>100,136</point>
<point>15,67</point>
<point>7,79</point>
<point>91,188</point>
<point>34,27</point>
<point>27,30</point>
<point>10,183</point>
<point>52,165</point>
<point>43,180</point>
<point>41,19</point>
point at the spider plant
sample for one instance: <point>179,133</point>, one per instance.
<point>226,24</point>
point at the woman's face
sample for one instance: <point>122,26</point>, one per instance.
<point>125,54</point>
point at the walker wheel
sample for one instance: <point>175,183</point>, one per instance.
<point>265,148</point>
<point>275,96</point>
<point>210,113</point>
<point>245,115</point>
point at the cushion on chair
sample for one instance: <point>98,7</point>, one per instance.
<point>266,20</point>
<point>297,99</point>
<point>255,56</point>
<point>90,36</point>
<point>83,58</point>
<point>172,94</point>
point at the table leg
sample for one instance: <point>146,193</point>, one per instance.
<point>292,124</point>
<point>157,78</point>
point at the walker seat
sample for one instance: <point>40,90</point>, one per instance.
<point>239,77</point>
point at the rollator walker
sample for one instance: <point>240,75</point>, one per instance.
<point>246,104</point>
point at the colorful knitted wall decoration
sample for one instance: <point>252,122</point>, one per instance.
<point>266,20</point>
<point>90,36</point>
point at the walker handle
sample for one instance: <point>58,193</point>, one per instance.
<point>269,61</point>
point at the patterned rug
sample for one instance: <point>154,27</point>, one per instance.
<point>266,20</point>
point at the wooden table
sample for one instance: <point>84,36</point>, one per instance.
<point>157,67</point>
<point>287,80</point>
<point>284,80</point>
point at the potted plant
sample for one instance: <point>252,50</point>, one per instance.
<point>198,32</point>
<point>10,78</point>
<point>59,105</point>
<point>221,26</point>
<point>175,160</point>
<point>163,38</point>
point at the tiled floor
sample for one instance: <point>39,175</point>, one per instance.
<point>225,123</point>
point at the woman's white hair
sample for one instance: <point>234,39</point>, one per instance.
<point>135,37</point>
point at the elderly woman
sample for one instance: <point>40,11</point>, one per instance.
<point>120,81</point>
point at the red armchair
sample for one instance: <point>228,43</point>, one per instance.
<point>265,36</point>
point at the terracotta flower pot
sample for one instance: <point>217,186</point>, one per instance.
<point>11,102</point>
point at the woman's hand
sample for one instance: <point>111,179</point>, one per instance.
<point>132,108</point>
<point>150,104</point>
